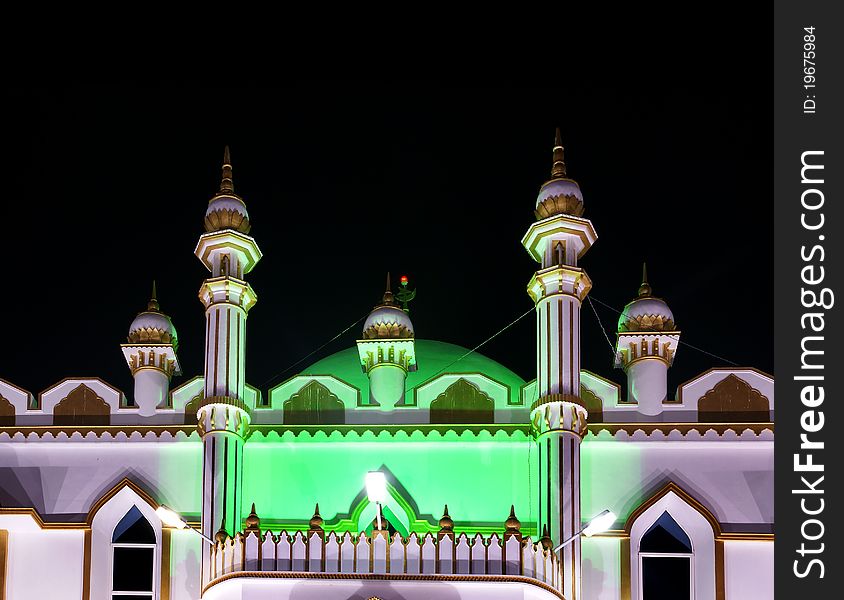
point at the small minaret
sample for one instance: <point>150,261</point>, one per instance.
<point>556,241</point>
<point>645,347</point>
<point>387,351</point>
<point>151,356</point>
<point>223,416</point>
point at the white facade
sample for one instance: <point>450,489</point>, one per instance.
<point>689,473</point>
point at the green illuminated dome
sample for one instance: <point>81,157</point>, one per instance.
<point>431,358</point>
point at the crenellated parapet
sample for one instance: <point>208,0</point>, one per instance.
<point>159,357</point>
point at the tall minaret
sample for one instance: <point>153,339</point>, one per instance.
<point>151,356</point>
<point>387,351</point>
<point>556,241</point>
<point>645,348</point>
<point>223,416</point>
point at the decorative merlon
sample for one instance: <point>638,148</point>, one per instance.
<point>633,346</point>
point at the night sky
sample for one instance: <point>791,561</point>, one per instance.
<point>344,181</point>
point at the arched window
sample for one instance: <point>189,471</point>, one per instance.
<point>133,558</point>
<point>665,561</point>
<point>671,552</point>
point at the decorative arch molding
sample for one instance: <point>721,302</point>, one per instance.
<point>733,400</point>
<point>691,392</point>
<point>181,396</point>
<point>7,412</point>
<point>54,395</point>
<point>314,404</point>
<point>607,392</point>
<point>191,407</point>
<point>697,522</point>
<point>82,406</point>
<point>426,394</point>
<point>103,517</point>
<point>462,402</point>
<point>346,393</point>
<point>594,404</point>
<point>22,400</point>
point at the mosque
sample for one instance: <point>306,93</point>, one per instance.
<point>399,468</point>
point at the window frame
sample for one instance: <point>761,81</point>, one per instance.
<point>689,555</point>
<point>150,595</point>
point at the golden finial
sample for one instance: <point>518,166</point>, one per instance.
<point>559,168</point>
<point>512,523</point>
<point>152,305</point>
<point>388,295</point>
<point>221,534</point>
<point>316,521</point>
<point>446,524</point>
<point>545,540</point>
<point>645,288</point>
<point>253,522</point>
<point>227,185</point>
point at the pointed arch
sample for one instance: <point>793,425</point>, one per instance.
<point>669,488</point>
<point>124,500</point>
<point>697,523</point>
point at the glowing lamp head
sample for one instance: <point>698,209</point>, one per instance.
<point>170,517</point>
<point>600,523</point>
<point>376,486</point>
<point>403,280</point>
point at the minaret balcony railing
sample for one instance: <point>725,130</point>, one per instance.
<point>436,557</point>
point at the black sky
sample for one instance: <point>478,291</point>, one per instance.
<point>108,184</point>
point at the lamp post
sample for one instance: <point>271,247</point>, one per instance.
<point>376,491</point>
<point>598,523</point>
<point>171,518</point>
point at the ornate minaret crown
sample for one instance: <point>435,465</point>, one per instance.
<point>556,241</point>
<point>646,343</point>
<point>387,351</point>
<point>223,416</point>
<point>151,356</point>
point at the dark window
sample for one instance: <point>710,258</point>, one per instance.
<point>666,561</point>
<point>133,557</point>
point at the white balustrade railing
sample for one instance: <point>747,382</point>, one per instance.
<point>314,551</point>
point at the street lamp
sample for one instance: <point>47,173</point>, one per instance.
<point>376,491</point>
<point>171,518</point>
<point>598,523</point>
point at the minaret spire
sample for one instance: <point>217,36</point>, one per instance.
<point>153,301</point>
<point>388,294</point>
<point>645,288</point>
<point>559,168</point>
<point>227,185</point>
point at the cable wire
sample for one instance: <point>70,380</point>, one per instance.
<point>307,356</point>
<point>494,335</point>
<point>612,308</point>
<point>603,329</point>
